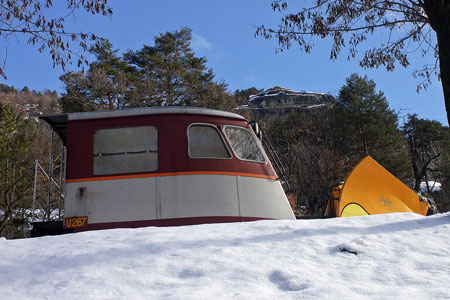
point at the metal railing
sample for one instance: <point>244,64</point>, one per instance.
<point>273,156</point>
<point>51,182</point>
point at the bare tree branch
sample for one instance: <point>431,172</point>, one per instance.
<point>358,19</point>
<point>30,18</point>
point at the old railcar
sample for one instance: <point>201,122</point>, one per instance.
<point>163,167</point>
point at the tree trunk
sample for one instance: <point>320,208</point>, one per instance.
<point>438,12</point>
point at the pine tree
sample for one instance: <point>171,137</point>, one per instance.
<point>367,126</point>
<point>16,172</point>
<point>167,73</point>
<point>178,76</point>
<point>108,84</point>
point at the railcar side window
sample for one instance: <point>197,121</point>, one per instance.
<point>244,144</point>
<point>126,150</point>
<point>205,142</point>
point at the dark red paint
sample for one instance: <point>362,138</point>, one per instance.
<point>168,222</point>
<point>172,145</point>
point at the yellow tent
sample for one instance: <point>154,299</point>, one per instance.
<point>371,189</point>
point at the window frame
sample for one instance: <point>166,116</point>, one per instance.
<point>128,172</point>
<point>216,128</point>
<point>258,143</point>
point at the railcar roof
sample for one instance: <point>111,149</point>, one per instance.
<point>59,122</point>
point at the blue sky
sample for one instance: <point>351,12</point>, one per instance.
<point>224,34</point>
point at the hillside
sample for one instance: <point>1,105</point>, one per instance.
<point>31,103</point>
<point>395,256</point>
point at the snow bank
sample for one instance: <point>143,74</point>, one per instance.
<point>396,256</point>
<point>434,186</point>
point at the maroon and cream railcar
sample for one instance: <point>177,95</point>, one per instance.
<point>165,166</point>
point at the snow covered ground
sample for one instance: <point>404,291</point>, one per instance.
<point>396,256</point>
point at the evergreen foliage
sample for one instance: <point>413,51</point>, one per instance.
<point>16,172</point>
<point>167,73</point>
<point>178,76</point>
<point>365,125</point>
<point>242,96</point>
<point>106,85</point>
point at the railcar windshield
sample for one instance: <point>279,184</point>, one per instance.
<point>205,142</point>
<point>244,144</point>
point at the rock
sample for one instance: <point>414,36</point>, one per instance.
<point>282,101</point>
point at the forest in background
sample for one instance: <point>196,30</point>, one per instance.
<point>319,147</point>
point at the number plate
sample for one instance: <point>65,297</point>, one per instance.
<point>76,222</point>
